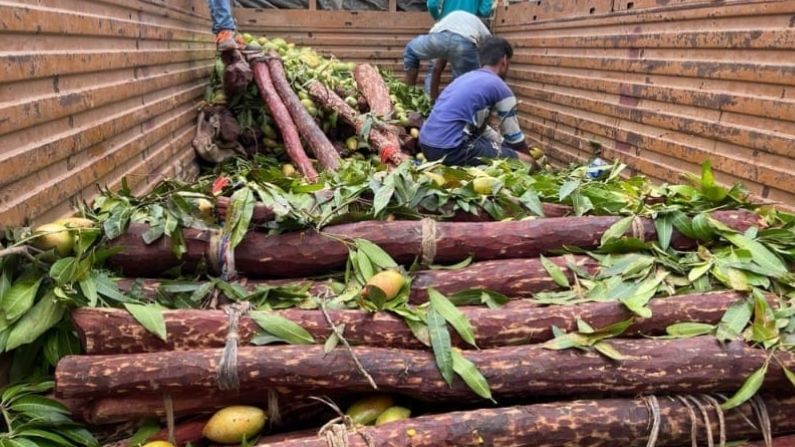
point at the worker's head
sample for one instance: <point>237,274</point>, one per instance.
<point>495,52</point>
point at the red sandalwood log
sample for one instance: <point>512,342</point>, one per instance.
<point>698,364</point>
<point>280,114</point>
<point>324,151</point>
<point>779,441</point>
<point>310,252</point>
<point>591,423</point>
<point>114,331</point>
<point>380,137</point>
<point>374,90</point>
<point>262,213</point>
<point>515,278</point>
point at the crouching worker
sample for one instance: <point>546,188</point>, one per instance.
<point>455,39</point>
<point>457,130</point>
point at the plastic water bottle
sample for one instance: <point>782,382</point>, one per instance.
<point>597,168</point>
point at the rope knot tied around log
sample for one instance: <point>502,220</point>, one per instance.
<point>428,241</point>
<point>221,256</point>
<point>227,376</point>
<point>336,431</point>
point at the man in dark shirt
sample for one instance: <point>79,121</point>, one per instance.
<point>457,130</point>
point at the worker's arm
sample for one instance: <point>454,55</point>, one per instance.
<point>436,77</point>
<point>509,124</point>
<point>411,76</point>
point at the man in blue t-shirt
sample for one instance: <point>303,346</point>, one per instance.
<point>457,130</point>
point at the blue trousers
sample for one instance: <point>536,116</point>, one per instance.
<point>460,52</point>
<point>221,13</point>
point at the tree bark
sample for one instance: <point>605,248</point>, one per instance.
<point>280,114</point>
<point>310,252</point>
<point>779,441</point>
<point>380,137</point>
<point>515,278</point>
<point>115,331</point>
<point>109,410</point>
<point>326,155</point>
<point>262,213</point>
<point>591,423</point>
<point>698,364</point>
<point>374,90</point>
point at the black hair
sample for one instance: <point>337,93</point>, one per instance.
<point>492,49</point>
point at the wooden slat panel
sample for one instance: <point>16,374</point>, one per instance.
<point>90,95</point>
<point>662,86</point>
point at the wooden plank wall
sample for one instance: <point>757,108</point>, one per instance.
<point>93,91</point>
<point>661,84</point>
<point>377,37</point>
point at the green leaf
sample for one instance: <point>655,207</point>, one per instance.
<point>238,218</point>
<point>759,253</point>
<point>764,325</point>
<point>150,317</point>
<point>376,254</point>
<point>699,271</point>
<point>470,374</point>
<point>702,229</point>
<point>665,228</point>
<point>455,317</point>
<point>618,229</point>
<point>34,404</point>
<point>364,265</point>
<point>689,329</point>
<point>46,435</point>
<point>201,292</point>
<point>440,342</point>
<point>60,343</point>
<point>567,188</point>
<point>640,298</point>
<point>383,195</point>
<point>790,375</point>
<point>608,351</point>
<point>89,288</point>
<point>734,320</point>
<point>21,295</point>
<point>456,266</point>
<point>64,270</point>
<point>44,315</point>
<point>709,189</point>
<point>333,339</point>
<point>144,432</point>
<point>531,200</point>
<point>555,272</point>
<point>747,390</point>
<point>283,328</point>
<point>79,435</point>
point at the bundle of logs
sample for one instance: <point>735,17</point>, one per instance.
<point>663,392</point>
<point>296,125</point>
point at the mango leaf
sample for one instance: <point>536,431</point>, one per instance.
<point>44,315</point>
<point>682,223</point>
<point>150,317</point>
<point>608,351</point>
<point>584,328</point>
<point>709,189</point>
<point>20,296</point>
<point>364,265</point>
<point>566,341</point>
<point>734,320</point>
<point>89,289</point>
<point>689,329</point>
<point>282,328</point>
<point>36,407</point>
<point>144,432</point>
<point>640,298</point>
<point>555,272</point>
<point>470,374</point>
<point>747,390</point>
<point>764,325</point>
<point>440,342</point>
<point>533,203</point>
<point>452,315</point>
<point>64,270</point>
<point>383,195</point>
<point>759,253</point>
<point>790,375</point>
<point>333,339</point>
<point>618,229</point>
<point>420,331</point>
<point>567,188</point>
<point>79,435</point>
<point>47,435</point>
<point>456,266</point>
<point>701,227</point>
<point>60,343</point>
<point>376,254</point>
<point>664,226</point>
<point>238,218</point>
<point>699,271</point>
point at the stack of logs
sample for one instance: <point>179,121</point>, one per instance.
<point>128,374</point>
